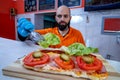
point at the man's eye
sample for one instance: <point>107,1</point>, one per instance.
<point>59,16</point>
<point>65,16</point>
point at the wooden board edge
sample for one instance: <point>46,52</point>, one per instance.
<point>8,72</point>
<point>23,76</point>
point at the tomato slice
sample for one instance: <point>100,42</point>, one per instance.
<point>64,64</point>
<point>95,65</point>
<point>29,60</point>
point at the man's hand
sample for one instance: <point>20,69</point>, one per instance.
<point>25,27</point>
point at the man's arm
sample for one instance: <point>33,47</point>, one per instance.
<point>44,31</point>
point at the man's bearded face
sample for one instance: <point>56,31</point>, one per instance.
<point>63,25</point>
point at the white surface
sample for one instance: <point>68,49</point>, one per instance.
<point>115,64</point>
<point>11,50</point>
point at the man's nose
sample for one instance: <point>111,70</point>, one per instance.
<point>62,18</point>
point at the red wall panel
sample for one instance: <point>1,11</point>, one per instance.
<point>20,6</point>
<point>7,22</point>
<point>112,24</point>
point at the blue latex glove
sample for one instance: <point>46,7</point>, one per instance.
<point>25,27</point>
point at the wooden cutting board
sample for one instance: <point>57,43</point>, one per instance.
<point>17,70</point>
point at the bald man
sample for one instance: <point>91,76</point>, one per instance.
<point>67,34</point>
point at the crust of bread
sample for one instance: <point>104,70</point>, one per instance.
<point>102,76</point>
<point>63,72</point>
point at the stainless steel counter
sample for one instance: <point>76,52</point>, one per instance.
<point>11,50</point>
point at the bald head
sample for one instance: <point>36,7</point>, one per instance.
<point>63,9</point>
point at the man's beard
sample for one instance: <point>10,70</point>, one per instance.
<point>63,27</point>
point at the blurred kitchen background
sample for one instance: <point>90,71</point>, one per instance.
<point>88,16</point>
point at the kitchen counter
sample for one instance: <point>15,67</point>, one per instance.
<point>11,50</point>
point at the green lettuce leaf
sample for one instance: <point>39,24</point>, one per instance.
<point>79,49</point>
<point>50,39</point>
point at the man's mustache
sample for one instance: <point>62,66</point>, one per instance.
<point>62,22</point>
